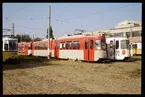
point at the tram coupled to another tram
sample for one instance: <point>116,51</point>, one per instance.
<point>118,48</point>
<point>80,47</point>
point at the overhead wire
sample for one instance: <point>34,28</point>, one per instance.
<point>30,28</point>
<point>97,13</point>
<point>12,17</point>
<point>62,21</point>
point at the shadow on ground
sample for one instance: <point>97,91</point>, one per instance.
<point>130,60</point>
<point>27,62</point>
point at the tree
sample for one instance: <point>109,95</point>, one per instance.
<point>23,38</point>
<point>37,39</point>
<point>51,33</point>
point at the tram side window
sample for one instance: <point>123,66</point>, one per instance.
<point>86,45</point>
<point>76,45</point>
<point>6,47</point>
<point>98,44</point>
<point>134,46</point>
<point>45,46</point>
<point>111,44</point>
<point>117,44</point>
<point>41,46</point>
<point>36,47</point>
<point>127,43</point>
<point>56,45</point>
<point>12,45</point>
<point>68,44</point>
<point>91,44</point>
<point>123,44</point>
<point>62,45</point>
<point>30,47</point>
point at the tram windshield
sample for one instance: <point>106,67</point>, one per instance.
<point>12,45</point>
<point>100,44</point>
<point>124,44</point>
<point>103,44</point>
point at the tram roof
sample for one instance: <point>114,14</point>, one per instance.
<point>76,36</point>
<point>117,37</point>
<point>9,38</point>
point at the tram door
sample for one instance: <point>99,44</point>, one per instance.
<point>26,49</point>
<point>117,50</point>
<point>89,50</point>
<point>56,50</point>
<point>134,49</point>
<point>111,52</point>
<point>86,51</point>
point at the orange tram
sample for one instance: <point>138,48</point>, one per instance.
<point>77,47</point>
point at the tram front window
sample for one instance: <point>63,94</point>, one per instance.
<point>103,44</point>
<point>6,47</point>
<point>12,45</point>
<point>127,43</point>
<point>124,44</point>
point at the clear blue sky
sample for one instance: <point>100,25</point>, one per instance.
<point>32,17</point>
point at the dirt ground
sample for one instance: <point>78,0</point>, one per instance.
<point>40,76</point>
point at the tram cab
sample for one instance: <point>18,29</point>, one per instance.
<point>10,48</point>
<point>118,48</point>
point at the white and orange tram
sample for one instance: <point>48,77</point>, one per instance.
<point>25,48</point>
<point>118,48</point>
<point>80,47</point>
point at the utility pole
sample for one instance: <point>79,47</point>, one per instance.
<point>21,37</point>
<point>33,37</point>
<point>131,40</point>
<point>49,21</point>
<point>13,33</point>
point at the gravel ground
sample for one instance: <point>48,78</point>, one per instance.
<point>39,76</point>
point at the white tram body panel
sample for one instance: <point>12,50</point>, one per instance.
<point>118,48</point>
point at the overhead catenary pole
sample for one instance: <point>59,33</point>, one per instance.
<point>13,33</point>
<point>48,34</point>
<point>131,40</point>
<point>33,37</point>
<point>21,37</point>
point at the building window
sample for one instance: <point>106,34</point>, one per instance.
<point>118,34</point>
<point>128,34</point>
<point>136,33</point>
